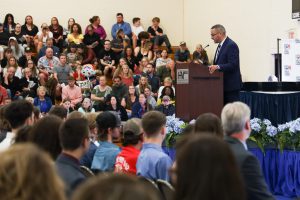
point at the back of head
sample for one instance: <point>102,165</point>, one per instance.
<point>58,111</point>
<point>209,122</point>
<point>115,187</point>
<point>153,122</point>
<point>76,115</point>
<point>105,121</point>
<point>18,112</point>
<point>132,131</point>
<point>206,169</point>
<point>234,117</point>
<point>32,172</point>
<point>72,133</point>
<point>45,134</point>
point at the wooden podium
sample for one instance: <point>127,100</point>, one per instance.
<point>197,91</point>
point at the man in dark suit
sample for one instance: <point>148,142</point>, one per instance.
<point>236,124</point>
<point>227,61</point>
<point>73,135</point>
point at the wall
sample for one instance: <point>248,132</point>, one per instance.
<point>254,25</point>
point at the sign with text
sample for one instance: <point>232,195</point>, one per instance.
<point>290,60</point>
<point>182,76</point>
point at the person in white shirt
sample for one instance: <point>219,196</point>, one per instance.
<point>19,114</point>
<point>136,28</point>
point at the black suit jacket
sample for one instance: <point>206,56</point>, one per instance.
<point>256,186</point>
<point>68,169</point>
<point>229,62</point>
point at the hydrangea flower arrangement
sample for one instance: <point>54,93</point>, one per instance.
<point>174,127</point>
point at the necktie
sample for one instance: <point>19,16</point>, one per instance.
<point>218,51</point>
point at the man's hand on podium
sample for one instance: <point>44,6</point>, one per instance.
<point>213,68</point>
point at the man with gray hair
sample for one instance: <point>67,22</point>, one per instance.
<point>236,125</point>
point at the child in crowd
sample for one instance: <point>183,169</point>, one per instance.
<point>86,106</point>
<point>72,55</point>
<point>78,75</point>
<point>66,103</point>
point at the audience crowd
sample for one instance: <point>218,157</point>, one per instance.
<point>104,139</point>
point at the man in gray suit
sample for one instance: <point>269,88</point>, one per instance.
<point>73,135</point>
<point>236,124</point>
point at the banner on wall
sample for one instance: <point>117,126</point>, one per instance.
<point>290,60</point>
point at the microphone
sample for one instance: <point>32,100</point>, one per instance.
<point>206,46</point>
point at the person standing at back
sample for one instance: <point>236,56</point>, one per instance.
<point>227,60</point>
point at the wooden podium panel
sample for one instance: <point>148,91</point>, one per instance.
<point>197,91</point>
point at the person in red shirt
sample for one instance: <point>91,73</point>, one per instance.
<point>132,141</point>
<point>3,95</point>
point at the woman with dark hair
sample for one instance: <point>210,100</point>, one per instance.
<point>92,40</point>
<point>98,29</point>
<point>86,55</point>
<point>76,34</point>
<point>31,65</point>
<point>128,101</point>
<point>130,58</point>
<point>114,105</point>
<point>45,134</point>
<point>206,169</point>
<point>17,33</point>
<point>210,123</point>
<point>58,32</point>
<point>141,107</point>
<point>9,23</point>
<point>29,30</point>
<point>167,91</point>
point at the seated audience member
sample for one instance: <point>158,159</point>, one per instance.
<point>4,36</point>
<point>152,162</point>
<point>4,60</point>
<point>167,91</point>
<point>28,84</point>
<point>87,158</point>
<point>4,124</point>
<point>166,71</point>
<point>153,79</point>
<point>67,30</point>
<point>136,28</point>
<point>167,82</point>
<point>12,62</point>
<point>45,134</point>
<point>163,60</point>
<point>157,36</point>
<point>209,123</point>
<point>86,106</point>
<point>236,124</point>
<point>32,66</point>
<point>107,59</point>
<point>119,89</point>
<point>92,40</point>
<point>116,187</point>
<point>57,31</point>
<point>182,55</point>
<point>72,92</point>
<point>141,107</point>
<point>74,140</point>
<point>76,34</point>
<point>41,101</point>
<point>143,83</point>
<point>29,30</point>
<point>18,114</point>
<point>46,65</point>
<point>17,49</point>
<point>198,160</point>
<point>98,29</point>
<point>165,107</point>
<point>72,56</point>
<point>86,55</point>
<point>114,105</point>
<point>49,44</point>
<point>121,25</point>
<point>17,33</point>
<point>129,100</point>
<point>59,111</point>
<point>200,55</point>
<point>150,99</point>
<point>9,23</point>
<point>132,141</point>
<point>118,44</point>
<point>12,83</point>
<point>105,155</point>
<point>126,74</point>
<point>62,71</point>
<point>3,95</point>
<point>130,58</point>
<point>33,173</point>
<point>42,36</point>
<point>66,103</point>
<point>27,56</point>
<point>144,51</point>
<point>99,93</point>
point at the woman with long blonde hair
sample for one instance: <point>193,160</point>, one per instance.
<point>31,176</point>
